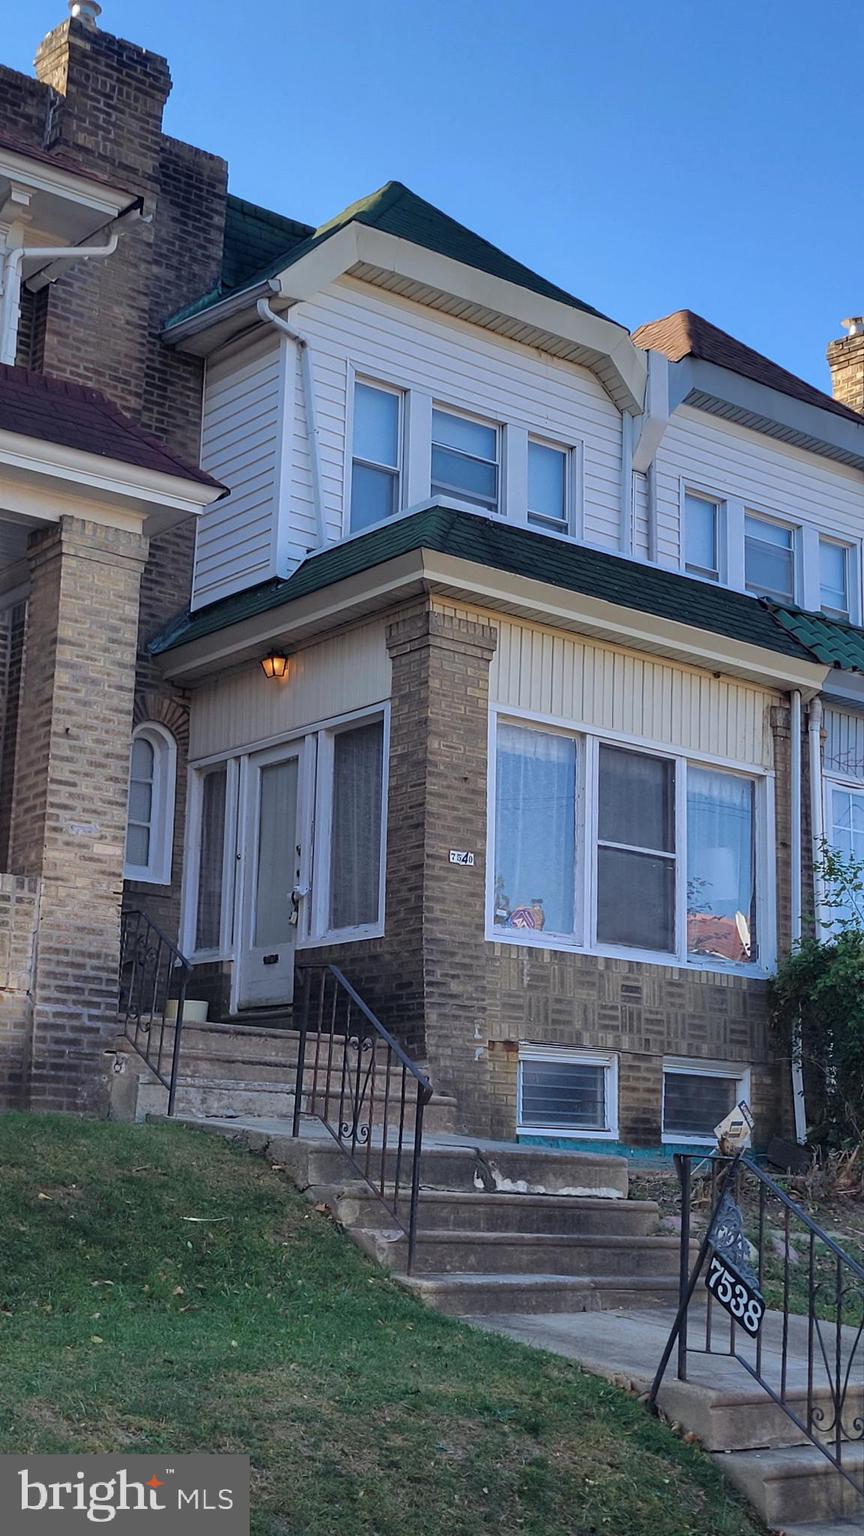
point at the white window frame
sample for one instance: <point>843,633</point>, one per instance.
<point>830,782</point>
<point>500,509</point>
<point>789,526</point>
<point>584,940</point>
<point>157,870</point>
<point>312,929</point>
<point>683,1067</point>
<point>850,552</point>
<point>387,387</point>
<point>569,453</point>
<point>702,493</point>
<point>316,930</point>
<point>608,1060</point>
<point>192,862</point>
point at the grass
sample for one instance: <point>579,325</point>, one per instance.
<point>161,1291</point>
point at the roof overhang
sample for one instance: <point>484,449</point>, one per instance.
<point>720,392</point>
<point>423,570</point>
<point>441,283</point>
<point>58,206</point>
<point>39,480</point>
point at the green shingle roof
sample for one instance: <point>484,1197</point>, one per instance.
<point>519,551</point>
<point>396,210</point>
<point>832,643</point>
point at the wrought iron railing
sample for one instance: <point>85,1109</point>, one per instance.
<point>153,979</point>
<point>355,1078</point>
<point>778,1296</point>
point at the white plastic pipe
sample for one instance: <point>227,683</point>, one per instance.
<point>817,820</point>
<point>796,851</point>
<point>266,313</point>
<point>10,303</point>
<point>626,512</point>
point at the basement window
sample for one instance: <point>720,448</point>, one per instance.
<point>563,1092</point>
<point>697,1095</point>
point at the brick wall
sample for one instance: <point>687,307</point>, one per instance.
<point>846,361</point>
<point>19,901</point>
<point>69,813</point>
<point>465,1004</point>
<point>98,100</point>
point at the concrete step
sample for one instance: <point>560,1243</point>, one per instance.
<point>796,1483</point>
<point>480,1295</point>
<point>354,1205</point>
<point>820,1528</point>
<point>233,1096</point>
<point>747,1418</point>
<point>529,1253</point>
<point>465,1167</point>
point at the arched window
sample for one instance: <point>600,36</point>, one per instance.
<point>150,821</point>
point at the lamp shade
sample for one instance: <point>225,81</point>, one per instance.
<point>274,664</point>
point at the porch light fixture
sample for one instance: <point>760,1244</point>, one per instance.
<point>275,665</point>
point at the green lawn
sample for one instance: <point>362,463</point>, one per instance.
<point>161,1291</point>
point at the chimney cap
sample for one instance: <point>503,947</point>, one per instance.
<point>854,326</point>
<point>87,11</point>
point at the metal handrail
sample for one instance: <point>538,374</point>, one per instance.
<point>833,1340</point>
<point>361,1084</point>
<point>153,972</point>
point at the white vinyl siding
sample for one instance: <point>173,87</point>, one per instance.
<point>747,471</point>
<point>333,677</point>
<point>353,330</point>
<point>241,440</point>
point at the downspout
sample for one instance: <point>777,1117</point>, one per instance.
<point>796,851</point>
<point>651,478</point>
<point>10,301</point>
<point>817,821</point>
<point>266,313</point>
<point>626,534</point>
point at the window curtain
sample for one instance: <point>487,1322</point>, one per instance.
<point>209,909</point>
<point>208,917</point>
<point>721,881</point>
<point>535,823</point>
<point>355,840</point>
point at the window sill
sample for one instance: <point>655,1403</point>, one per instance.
<point>146,877</point>
<point>526,940</point>
<point>559,1135</point>
<point>342,936</point>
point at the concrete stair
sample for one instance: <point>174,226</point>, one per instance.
<point>797,1483</point>
<point>242,1071</point>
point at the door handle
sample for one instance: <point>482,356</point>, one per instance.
<point>297,895</point>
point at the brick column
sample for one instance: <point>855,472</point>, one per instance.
<point>437,801</point>
<point>69,812</point>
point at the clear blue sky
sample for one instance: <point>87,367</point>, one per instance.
<point>646,154</point>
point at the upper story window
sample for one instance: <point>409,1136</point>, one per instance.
<point>702,536</point>
<point>548,486</point>
<point>834,578</point>
<point>465,459</point>
<point>769,558</point>
<point>376,457</point>
<point>150,821</point>
<point>616,849</point>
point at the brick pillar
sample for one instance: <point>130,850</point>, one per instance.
<point>846,361</point>
<point>69,812</point>
<point>437,801</point>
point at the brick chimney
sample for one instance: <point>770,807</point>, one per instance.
<point>100,322</point>
<point>846,361</point>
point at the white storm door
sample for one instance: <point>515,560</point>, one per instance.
<point>274,869</point>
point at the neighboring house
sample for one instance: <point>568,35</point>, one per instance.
<point>502,679</point>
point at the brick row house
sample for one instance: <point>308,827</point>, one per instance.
<point>507,659</point>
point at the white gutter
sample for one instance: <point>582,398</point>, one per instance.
<point>266,313</point>
<point>651,481</point>
<point>795,847</point>
<point>817,823</point>
<point>10,283</point>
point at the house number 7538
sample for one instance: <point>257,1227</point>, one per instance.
<point>735,1296</point>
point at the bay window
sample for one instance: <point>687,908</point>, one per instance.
<point>607,847</point>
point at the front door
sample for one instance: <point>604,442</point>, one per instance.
<point>273,866</point>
